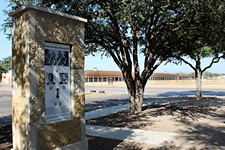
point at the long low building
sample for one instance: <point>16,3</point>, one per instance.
<point>113,76</point>
<point>116,76</point>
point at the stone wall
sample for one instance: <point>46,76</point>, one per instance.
<point>21,80</point>
<point>32,28</point>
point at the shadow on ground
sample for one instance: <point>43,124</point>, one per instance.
<point>182,113</point>
<point>5,136</point>
<point>185,110</point>
<point>95,143</point>
<point>193,92</point>
<point>6,120</point>
<point>98,143</point>
<point>207,138</point>
<point>176,98</point>
<point>204,101</point>
<point>207,135</point>
<point>104,104</point>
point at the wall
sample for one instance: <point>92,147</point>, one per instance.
<point>7,77</point>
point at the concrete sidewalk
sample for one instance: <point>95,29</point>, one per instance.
<point>105,111</point>
<point>132,135</point>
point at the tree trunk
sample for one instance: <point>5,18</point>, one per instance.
<point>136,93</point>
<point>198,81</point>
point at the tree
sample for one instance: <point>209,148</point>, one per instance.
<point>13,5</point>
<point>209,25</point>
<point>124,29</point>
<point>5,65</point>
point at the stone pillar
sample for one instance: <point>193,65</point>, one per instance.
<point>48,116</point>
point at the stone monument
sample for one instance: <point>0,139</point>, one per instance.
<point>48,86</point>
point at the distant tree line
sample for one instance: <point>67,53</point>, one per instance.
<point>209,75</point>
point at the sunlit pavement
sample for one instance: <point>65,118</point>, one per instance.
<point>131,135</point>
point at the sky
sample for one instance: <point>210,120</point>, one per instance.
<point>104,63</point>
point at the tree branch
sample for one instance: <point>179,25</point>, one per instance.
<point>121,38</point>
<point>186,62</point>
<point>214,60</point>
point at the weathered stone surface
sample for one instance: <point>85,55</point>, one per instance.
<point>56,28</point>
<point>78,106</point>
<point>77,76</point>
<point>62,30</point>
<point>59,134</point>
<point>41,82</point>
<point>36,53</point>
<point>77,57</point>
<point>20,137</point>
<point>20,36</point>
<point>36,96</point>
<point>37,113</point>
<point>19,108</point>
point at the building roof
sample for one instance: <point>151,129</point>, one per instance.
<point>101,73</point>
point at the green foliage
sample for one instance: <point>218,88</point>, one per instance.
<point>206,32</point>
<point>158,29</point>
<point>5,65</point>
<point>207,28</point>
<point>2,70</point>
<point>122,29</point>
<point>6,27</point>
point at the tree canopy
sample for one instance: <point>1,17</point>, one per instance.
<point>124,29</point>
<point>208,29</point>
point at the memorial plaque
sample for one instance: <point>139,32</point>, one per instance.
<point>57,82</point>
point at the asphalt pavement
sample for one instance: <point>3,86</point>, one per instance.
<point>113,100</point>
<point>113,96</point>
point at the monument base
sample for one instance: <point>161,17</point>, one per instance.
<point>76,146</point>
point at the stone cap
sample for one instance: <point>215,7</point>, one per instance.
<point>47,10</point>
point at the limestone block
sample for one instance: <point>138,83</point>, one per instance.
<point>19,119</point>
<point>77,76</point>
<point>20,36</point>
<point>36,96</point>
<point>78,106</point>
<point>36,54</point>
<point>59,134</point>
<point>50,27</point>
<point>21,82</point>
<point>37,112</point>
<point>20,138</point>
<point>18,55</point>
<point>77,57</point>
<point>41,82</point>
<point>19,109</point>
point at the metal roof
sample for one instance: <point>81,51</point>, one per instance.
<point>99,73</point>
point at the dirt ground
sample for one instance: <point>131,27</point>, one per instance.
<point>206,83</point>
<point>200,124</point>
